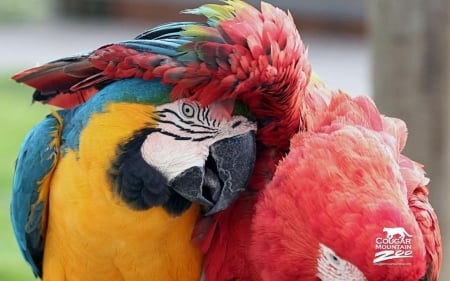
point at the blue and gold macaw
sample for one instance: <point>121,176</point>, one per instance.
<point>111,189</point>
<point>238,54</point>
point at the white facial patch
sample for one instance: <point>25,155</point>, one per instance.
<point>184,134</point>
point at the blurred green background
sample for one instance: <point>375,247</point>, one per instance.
<point>18,116</point>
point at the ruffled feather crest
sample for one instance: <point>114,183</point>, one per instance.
<point>253,55</point>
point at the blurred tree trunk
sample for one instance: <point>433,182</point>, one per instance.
<point>411,71</point>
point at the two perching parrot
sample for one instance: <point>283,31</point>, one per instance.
<point>151,171</point>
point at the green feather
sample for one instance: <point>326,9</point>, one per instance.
<point>213,12</point>
<point>202,33</point>
<point>241,109</point>
<point>216,13</point>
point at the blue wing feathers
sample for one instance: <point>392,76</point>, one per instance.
<point>37,158</point>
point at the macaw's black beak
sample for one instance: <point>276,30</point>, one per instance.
<point>225,175</point>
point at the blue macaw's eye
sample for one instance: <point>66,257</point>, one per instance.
<point>188,110</point>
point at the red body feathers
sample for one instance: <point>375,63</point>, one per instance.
<point>341,188</point>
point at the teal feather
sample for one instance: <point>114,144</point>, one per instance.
<point>36,159</point>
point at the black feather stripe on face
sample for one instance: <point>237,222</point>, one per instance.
<point>198,125</point>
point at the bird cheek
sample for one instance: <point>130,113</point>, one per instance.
<point>171,156</point>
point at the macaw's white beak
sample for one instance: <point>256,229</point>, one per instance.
<point>225,175</point>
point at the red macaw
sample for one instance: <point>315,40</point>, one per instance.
<point>344,204</point>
